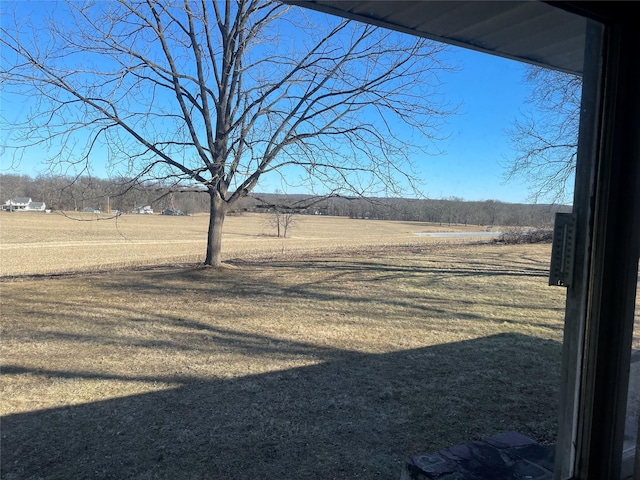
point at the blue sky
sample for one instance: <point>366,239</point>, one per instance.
<point>490,91</point>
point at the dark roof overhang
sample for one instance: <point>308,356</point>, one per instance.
<point>531,31</point>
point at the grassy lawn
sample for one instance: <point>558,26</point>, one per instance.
<point>335,354</point>
<point>321,366</point>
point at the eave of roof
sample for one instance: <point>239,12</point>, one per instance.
<point>531,31</point>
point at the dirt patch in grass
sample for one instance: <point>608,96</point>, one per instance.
<point>315,367</point>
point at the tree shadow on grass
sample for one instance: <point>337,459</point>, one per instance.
<point>356,416</point>
<point>329,287</point>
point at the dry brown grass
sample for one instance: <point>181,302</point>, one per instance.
<point>32,243</point>
<point>337,361</point>
<point>316,367</point>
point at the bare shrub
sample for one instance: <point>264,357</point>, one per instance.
<point>517,235</point>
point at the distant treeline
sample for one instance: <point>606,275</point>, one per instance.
<point>62,193</point>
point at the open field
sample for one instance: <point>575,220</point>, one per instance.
<point>33,243</point>
<point>332,361</point>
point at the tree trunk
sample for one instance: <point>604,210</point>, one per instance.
<point>217,212</point>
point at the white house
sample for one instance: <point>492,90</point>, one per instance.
<point>23,204</point>
<point>146,210</point>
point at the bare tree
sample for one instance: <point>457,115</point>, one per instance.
<point>216,95</point>
<point>282,221</point>
<point>545,139</point>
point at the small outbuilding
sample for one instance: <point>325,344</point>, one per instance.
<point>172,211</point>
